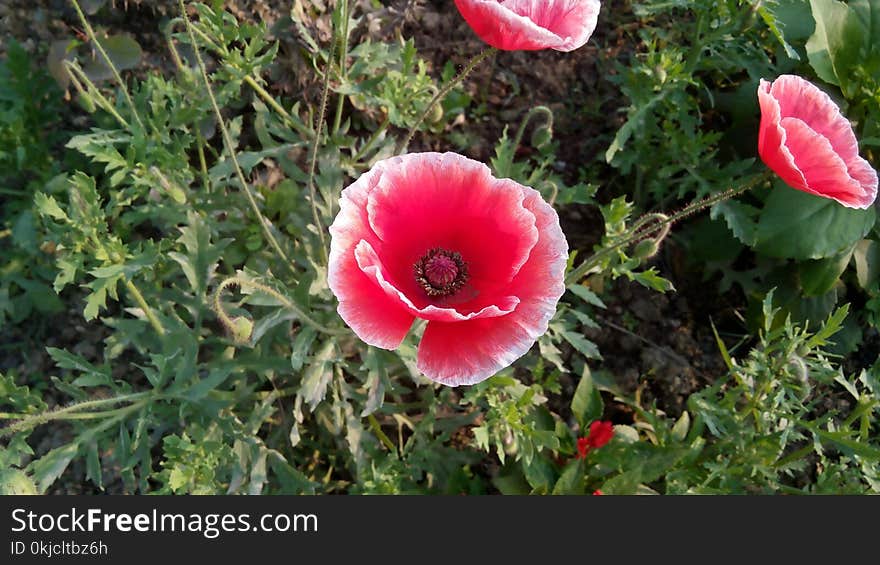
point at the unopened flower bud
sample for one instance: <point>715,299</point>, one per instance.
<point>436,114</point>
<point>646,249</point>
<point>241,329</point>
<point>542,136</point>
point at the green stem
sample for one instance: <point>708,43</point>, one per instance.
<point>286,302</point>
<point>313,159</point>
<point>107,61</point>
<point>227,141</point>
<point>76,75</point>
<point>203,163</point>
<point>75,412</point>
<point>139,298</point>
<point>639,232</point>
<point>441,94</point>
<point>343,59</point>
<point>377,429</point>
<point>372,141</point>
<point>279,109</point>
<point>548,114</point>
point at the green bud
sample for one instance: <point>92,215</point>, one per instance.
<point>646,249</point>
<point>436,114</point>
<point>242,328</point>
<point>541,136</point>
<point>86,102</point>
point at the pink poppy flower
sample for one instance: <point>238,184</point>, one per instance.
<point>529,25</point>
<point>805,140</point>
<point>437,237</point>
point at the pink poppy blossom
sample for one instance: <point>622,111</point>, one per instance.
<point>529,25</point>
<point>805,140</point>
<point>435,236</point>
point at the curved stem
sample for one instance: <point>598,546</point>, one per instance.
<point>441,94</point>
<point>286,302</point>
<point>548,114</point>
<point>227,141</point>
<point>638,231</point>
<point>107,61</point>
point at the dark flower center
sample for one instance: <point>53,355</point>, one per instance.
<point>441,272</point>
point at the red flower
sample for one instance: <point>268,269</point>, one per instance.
<point>528,25</point>
<point>598,492</point>
<point>437,237</point>
<point>600,433</point>
<point>805,140</point>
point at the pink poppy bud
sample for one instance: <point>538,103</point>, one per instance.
<point>437,237</point>
<point>805,140</point>
<point>529,25</point>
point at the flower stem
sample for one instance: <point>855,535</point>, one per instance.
<point>441,94</point>
<point>377,429</point>
<point>313,159</point>
<point>79,77</point>
<point>107,61</point>
<point>643,227</point>
<point>139,298</point>
<point>372,141</point>
<point>227,141</point>
<point>343,56</point>
<point>286,302</point>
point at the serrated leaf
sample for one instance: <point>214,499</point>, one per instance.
<point>48,468</point>
<point>586,295</point>
<point>739,218</point>
<point>586,347</point>
<point>318,375</point>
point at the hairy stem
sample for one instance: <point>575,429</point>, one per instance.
<point>76,75</point>
<point>443,92</point>
<point>639,231</point>
<point>286,302</point>
<point>227,141</point>
<point>94,39</point>
<point>313,159</point>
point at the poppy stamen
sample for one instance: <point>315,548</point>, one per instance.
<point>440,272</point>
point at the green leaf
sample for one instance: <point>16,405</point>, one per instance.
<point>586,295</point>
<point>776,28</point>
<point>867,259</point>
<point>572,479</point>
<point>586,347</point>
<point>740,218</point>
<point>48,468</point>
<point>818,277</point>
<point>91,374</point>
<point>318,375</point>
<point>48,206</point>
<point>124,53</point>
<point>834,48</point>
<point>797,225</point>
<point>586,404</point>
